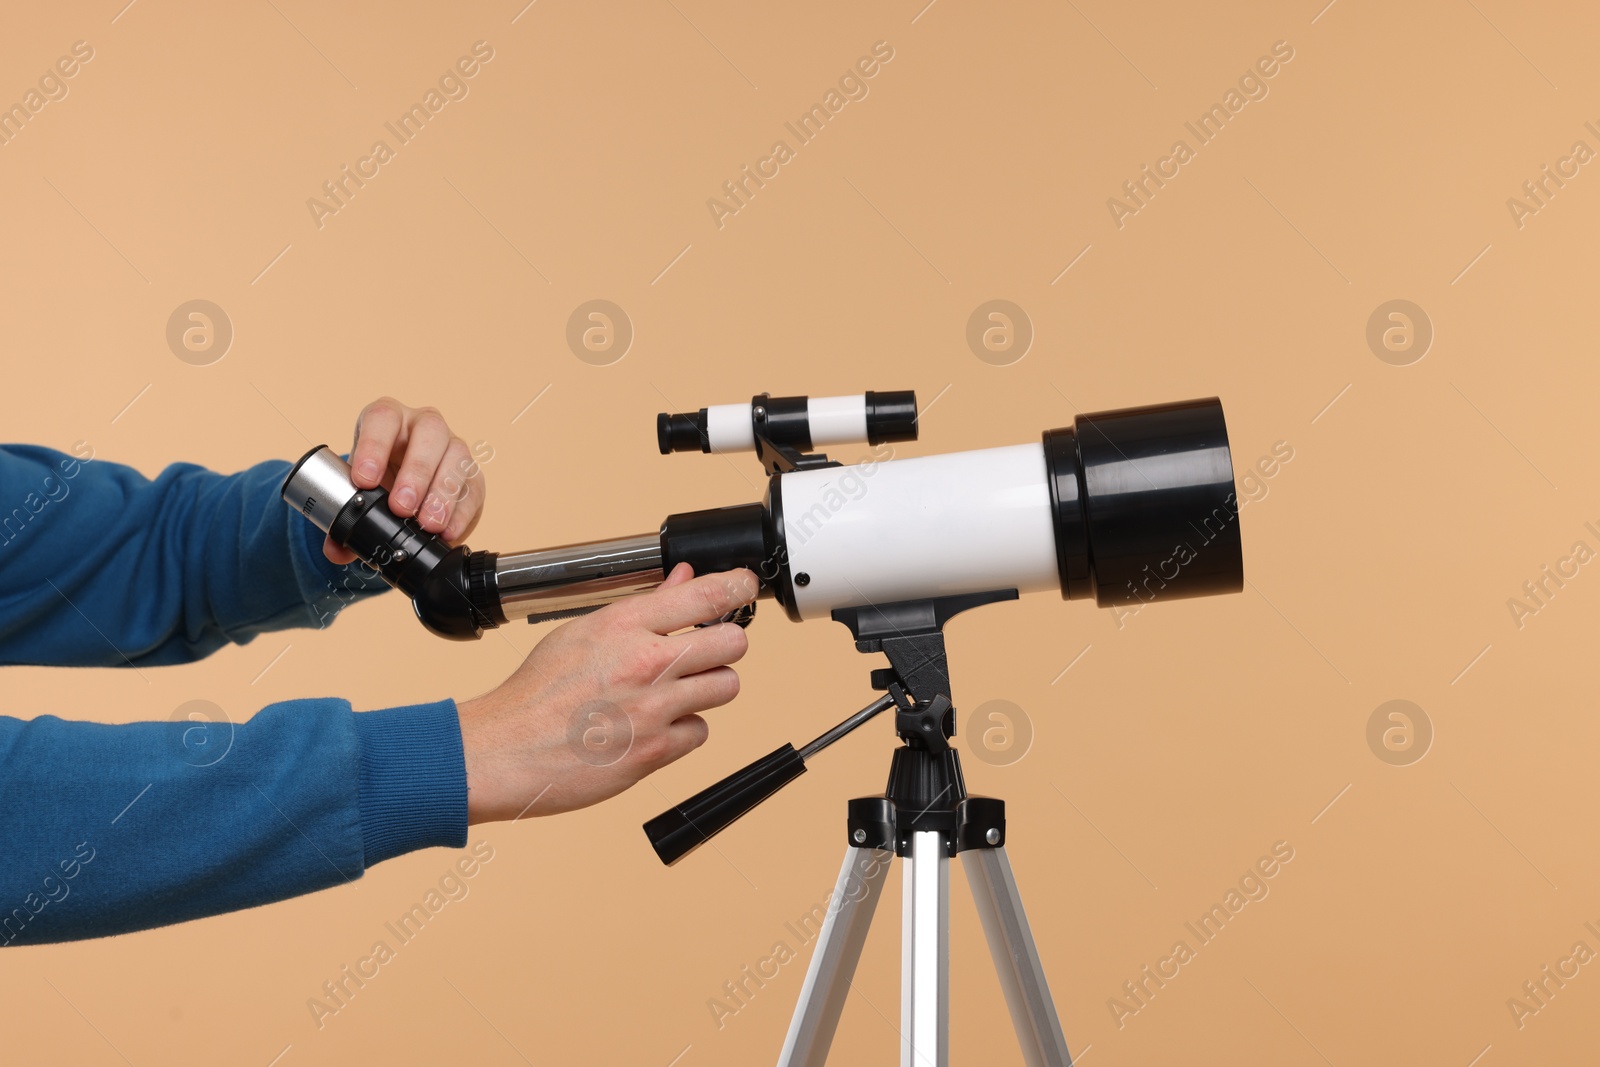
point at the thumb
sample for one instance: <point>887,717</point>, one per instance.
<point>336,552</point>
<point>680,574</point>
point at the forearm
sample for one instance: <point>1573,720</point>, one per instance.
<point>110,829</point>
<point>100,566</point>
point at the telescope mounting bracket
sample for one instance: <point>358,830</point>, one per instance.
<point>911,634</point>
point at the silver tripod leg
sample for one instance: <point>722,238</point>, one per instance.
<point>925,954</point>
<point>833,962</point>
<point>1016,957</point>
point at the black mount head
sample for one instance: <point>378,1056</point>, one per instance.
<point>911,634</point>
<point>926,790</point>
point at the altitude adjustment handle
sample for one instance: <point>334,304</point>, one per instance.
<point>679,831</point>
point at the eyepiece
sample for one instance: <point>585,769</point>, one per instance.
<point>891,416</point>
<point>682,433</point>
<point>319,486</point>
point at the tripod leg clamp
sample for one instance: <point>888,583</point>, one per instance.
<point>973,823</point>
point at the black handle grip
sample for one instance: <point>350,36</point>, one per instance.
<point>677,832</point>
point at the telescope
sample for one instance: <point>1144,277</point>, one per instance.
<point>1127,506</point>
<point>1130,506</point>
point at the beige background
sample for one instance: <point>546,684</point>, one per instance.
<point>1174,752</point>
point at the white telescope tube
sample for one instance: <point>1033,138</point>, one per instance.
<point>880,532</point>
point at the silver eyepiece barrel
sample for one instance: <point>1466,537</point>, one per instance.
<point>319,487</point>
<point>570,579</point>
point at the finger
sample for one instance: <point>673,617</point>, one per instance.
<point>704,691</point>
<point>425,446</point>
<point>703,599</point>
<point>680,574</point>
<point>470,509</point>
<point>626,612</point>
<point>702,649</point>
<point>685,735</point>
<point>376,431</point>
<point>450,492</point>
<point>337,553</point>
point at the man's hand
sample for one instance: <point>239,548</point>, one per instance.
<point>605,699</point>
<point>429,473</point>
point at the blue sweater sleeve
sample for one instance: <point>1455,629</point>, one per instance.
<point>109,829</point>
<point>103,567</point>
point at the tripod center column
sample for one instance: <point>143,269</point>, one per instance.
<point>925,953</point>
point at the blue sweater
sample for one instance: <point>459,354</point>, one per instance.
<point>107,829</point>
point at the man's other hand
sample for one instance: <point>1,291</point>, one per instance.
<point>605,699</point>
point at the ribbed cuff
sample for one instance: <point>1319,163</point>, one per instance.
<point>413,779</point>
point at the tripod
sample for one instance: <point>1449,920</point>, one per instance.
<point>925,816</point>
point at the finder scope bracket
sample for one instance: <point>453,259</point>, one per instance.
<point>782,435</point>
